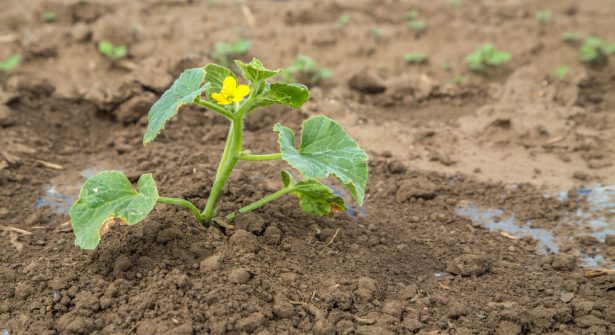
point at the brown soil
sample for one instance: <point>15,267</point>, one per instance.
<point>410,262</point>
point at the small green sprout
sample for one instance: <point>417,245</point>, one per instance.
<point>10,63</point>
<point>325,150</point>
<point>459,79</point>
<point>411,15</point>
<point>454,3</point>
<point>49,16</point>
<point>446,67</point>
<point>542,16</point>
<point>417,25</point>
<point>487,55</point>
<point>343,20</point>
<point>223,52</point>
<point>561,72</point>
<point>595,51</point>
<point>571,37</point>
<point>111,51</point>
<point>377,33</point>
<point>305,69</point>
<point>415,58</point>
<point>413,22</point>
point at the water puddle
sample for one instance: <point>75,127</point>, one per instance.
<point>597,220</point>
<point>63,190</point>
<point>495,220</point>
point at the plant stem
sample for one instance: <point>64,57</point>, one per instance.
<point>261,202</point>
<point>227,163</point>
<point>216,108</point>
<point>269,157</point>
<point>184,203</point>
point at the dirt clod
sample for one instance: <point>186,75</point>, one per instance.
<point>469,265</point>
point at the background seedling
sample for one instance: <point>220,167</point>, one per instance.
<point>459,79</point>
<point>417,25</point>
<point>224,52</point>
<point>571,37</point>
<point>561,72</point>
<point>446,67</point>
<point>305,69</point>
<point>542,16</point>
<point>595,51</point>
<point>413,22</point>
<point>454,3</point>
<point>325,150</point>
<point>49,16</point>
<point>113,52</point>
<point>10,63</point>
<point>415,58</point>
<point>377,33</point>
<point>485,56</point>
<point>343,20</point>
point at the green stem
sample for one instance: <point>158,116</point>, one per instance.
<point>260,203</point>
<point>269,157</point>
<point>215,107</point>
<point>184,203</point>
<point>227,163</point>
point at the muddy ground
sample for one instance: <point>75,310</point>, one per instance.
<point>488,201</point>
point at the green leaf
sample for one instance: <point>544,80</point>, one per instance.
<point>106,197</point>
<point>111,51</point>
<point>314,197</point>
<point>10,63</point>
<point>292,95</point>
<point>255,70</point>
<point>183,91</point>
<point>214,76</point>
<point>326,149</point>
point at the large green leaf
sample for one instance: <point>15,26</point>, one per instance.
<point>106,197</point>
<point>314,197</point>
<point>255,70</point>
<point>183,91</point>
<point>291,95</point>
<point>214,76</point>
<point>326,149</point>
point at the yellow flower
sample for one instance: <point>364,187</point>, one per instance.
<point>231,92</point>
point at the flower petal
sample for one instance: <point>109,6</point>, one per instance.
<point>220,98</point>
<point>229,85</point>
<point>241,92</point>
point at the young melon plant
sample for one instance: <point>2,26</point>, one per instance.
<point>415,58</point>
<point>10,63</point>
<point>542,16</point>
<point>413,22</point>
<point>595,51</point>
<point>325,150</point>
<point>486,56</point>
<point>561,71</point>
<point>224,53</point>
<point>111,51</point>
<point>305,69</point>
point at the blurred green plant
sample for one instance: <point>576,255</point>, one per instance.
<point>542,16</point>
<point>595,51</point>
<point>305,69</point>
<point>415,58</point>
<point>486,56</point>
<point>561,72</point>
<point>413,22</point>
<point>224,53</point>
<point>454,3</point>
<point>376,32</point>
<point>571,37</point>
<point>343,20</point>
<point>49,16</point>
<point>459,79</point>
<point>10,63</point>
<point>111,51</point>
